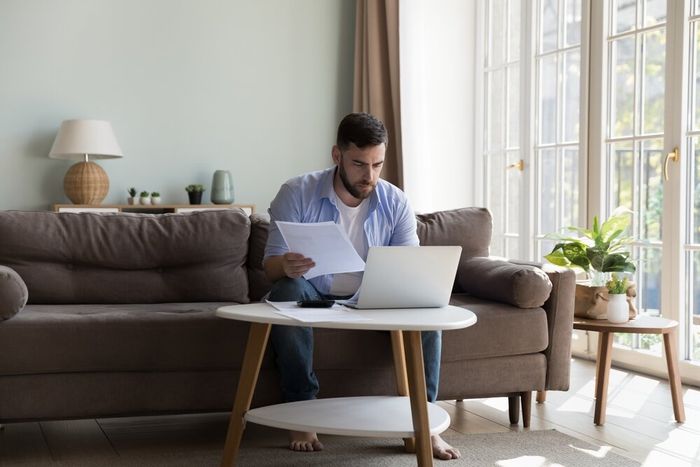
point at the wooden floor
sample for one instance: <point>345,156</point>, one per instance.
<point>639,425</point>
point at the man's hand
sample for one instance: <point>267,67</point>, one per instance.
<point>296,265</point>
<point>293,265</point>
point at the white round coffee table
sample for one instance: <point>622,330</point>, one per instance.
<point>386,416</point>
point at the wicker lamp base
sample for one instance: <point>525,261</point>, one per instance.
<point>86,183</point>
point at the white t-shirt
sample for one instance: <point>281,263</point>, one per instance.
<point>352,220</point>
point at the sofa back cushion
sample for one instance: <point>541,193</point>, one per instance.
<point>469,228</point>
<point>128,258</point>
<point>259,284</point>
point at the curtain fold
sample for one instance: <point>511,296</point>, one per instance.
<point>376,87</point>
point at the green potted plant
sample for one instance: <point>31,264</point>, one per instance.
<point>597,251</point>
<point>145,198</point>
<point>132,195</point>
<point>194,192</point>
<point>155,197</point>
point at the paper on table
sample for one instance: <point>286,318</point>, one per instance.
<point>336,313</point>
<point>324,242</point>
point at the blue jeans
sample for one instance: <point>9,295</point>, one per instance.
<point>293,347</point>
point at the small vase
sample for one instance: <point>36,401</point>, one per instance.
<point>222,187</point>
<point>131,201</point>
<point>618,311</point>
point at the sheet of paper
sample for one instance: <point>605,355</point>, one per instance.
<point>324,242</point>
<point>336,313</point>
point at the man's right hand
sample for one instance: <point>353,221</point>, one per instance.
<point>293,265</point>
<point>296,265</point>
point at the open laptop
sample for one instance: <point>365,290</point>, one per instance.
<point>407,277</point>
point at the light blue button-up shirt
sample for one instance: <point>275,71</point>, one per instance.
<point>311,198</point>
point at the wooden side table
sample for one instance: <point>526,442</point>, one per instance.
<point>403,417</point>
<point>640,325</point>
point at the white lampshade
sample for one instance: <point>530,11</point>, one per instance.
<point>78,138</point>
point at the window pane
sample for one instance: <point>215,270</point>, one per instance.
<point>573,22</point>
<point>513,180</point>
<point>651,189</point>
<point>513,248</point>
<point>695,190</point>
<point>625,15</point>
<point>549,19</point>
<point>622,175</point>
<point>694,308</point>
<point>496,202</point>
<point>496,88</point>
<point>570,187</point>
<point>649,283</point>
<point>513,111</point>
<point>654,47</point>
<point>622,86</point>
<point>654,12</point>
<point>572,87</point>
<point>497,25</point>
<point>513,30</point>
<point>695,78</point>
<point>548,100</point>
<point>547,191</point>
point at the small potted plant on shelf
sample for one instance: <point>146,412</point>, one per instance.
<point>618,310</point>
<point>132,195</point>
<point>155,198</point>
<point>145,198</point>
<point>194,192</point>
<point>597,252</point>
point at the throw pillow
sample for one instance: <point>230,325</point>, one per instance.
<point>493,279</point>
<point>13,293</point>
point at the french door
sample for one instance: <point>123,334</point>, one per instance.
<point>596,106</point>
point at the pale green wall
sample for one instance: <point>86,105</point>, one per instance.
<point>190,86</point>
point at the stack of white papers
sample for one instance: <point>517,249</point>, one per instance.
<point>336,313</point>
<point>324,242</point>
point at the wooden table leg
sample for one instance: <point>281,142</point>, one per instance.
<point>674,377</point>
<point>418,396</point>
<point>254,352</point>
<point>602,375</point>
<point>541,396</point>
<point>397,348</point>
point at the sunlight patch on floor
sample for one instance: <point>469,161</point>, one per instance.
<point>598,454</point>
<point>576,403</point>
<point>659,458</point>
<point>527,461</point>
<point>682,442</point>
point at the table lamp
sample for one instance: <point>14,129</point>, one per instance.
<point>85,182</point>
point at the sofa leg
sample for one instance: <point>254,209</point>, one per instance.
<point>514,409</point>
<point>459,400</point>
<point>526,402</point>
<point>541,396</point>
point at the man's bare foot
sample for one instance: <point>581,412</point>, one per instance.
<point>442,450</point>
<point>305,442</point>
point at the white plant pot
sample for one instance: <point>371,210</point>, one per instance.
<point>145,200</point>
<point>618,311</point>
<point>155,199</point>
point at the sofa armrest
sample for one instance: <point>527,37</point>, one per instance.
<point>560,321</point>
<point>492,278</point>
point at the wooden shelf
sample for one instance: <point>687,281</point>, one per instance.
<point>150,208</point>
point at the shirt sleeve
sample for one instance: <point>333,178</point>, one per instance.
<point>285,207</point>
<point>405,231</point>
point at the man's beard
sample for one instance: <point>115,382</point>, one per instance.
<point>350,187</point>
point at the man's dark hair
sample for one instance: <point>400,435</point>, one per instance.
<point>362,130</point>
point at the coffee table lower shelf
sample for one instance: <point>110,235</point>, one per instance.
<point>371,416</point>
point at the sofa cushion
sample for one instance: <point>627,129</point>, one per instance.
<point>259,285</point>
<point>128,258</point>
<point>500,330</point>
<point>516,284</point>
<point>469,228</point>
<point>13,293</point>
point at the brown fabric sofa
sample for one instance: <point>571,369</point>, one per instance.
<point>120,317</point>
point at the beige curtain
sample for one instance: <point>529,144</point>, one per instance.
<point>376,81</point>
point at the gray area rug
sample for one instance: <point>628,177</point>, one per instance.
<point>266,447</point>
<point>532,448</point>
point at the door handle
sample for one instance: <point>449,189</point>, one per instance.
<point>674,156</point>
<point>520,165</point>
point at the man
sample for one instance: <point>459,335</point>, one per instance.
<point>373,212</point>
